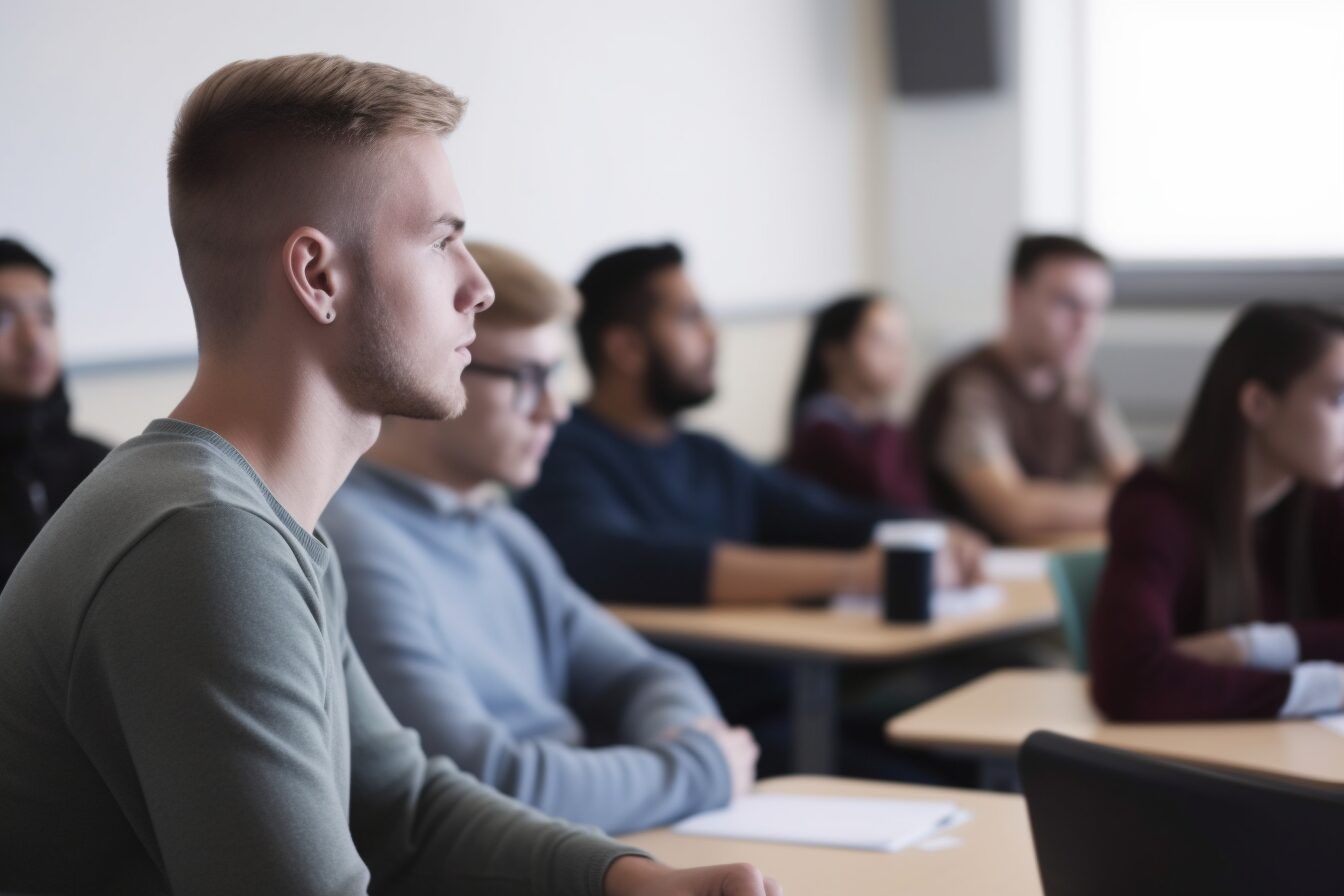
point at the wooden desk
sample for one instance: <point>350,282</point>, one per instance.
<point>789,632</point>
<point>1078,541</point>
<point>990,717</point>
<point>995,855</point>
<point>814,642</point>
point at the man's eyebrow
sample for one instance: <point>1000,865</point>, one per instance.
<point>452,222</point>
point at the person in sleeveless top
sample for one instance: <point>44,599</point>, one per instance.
<point>1017,436</point>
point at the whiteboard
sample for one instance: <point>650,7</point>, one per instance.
<point>729,126</point>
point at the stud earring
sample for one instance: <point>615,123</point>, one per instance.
<point>331,315</point>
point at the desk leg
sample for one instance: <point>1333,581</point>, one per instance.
<point>814,717</point>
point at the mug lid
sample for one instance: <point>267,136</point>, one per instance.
<point>926,534</point>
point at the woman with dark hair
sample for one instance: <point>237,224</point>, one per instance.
<point>841,431</point>
<point>1223,593</point>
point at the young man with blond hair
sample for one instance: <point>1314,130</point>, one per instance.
<point>471,629</point>
<point>183,711</point>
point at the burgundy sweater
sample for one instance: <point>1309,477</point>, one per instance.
<point>873,462</point>
<point>1153,591</point>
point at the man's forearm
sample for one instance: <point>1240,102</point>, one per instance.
<point>744,574</point>
<point>1036,510</point>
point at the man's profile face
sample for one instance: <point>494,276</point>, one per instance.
<point>1059,309</point>
<point>681,343</point>
<point>418,289</point>
<point>30,357</point>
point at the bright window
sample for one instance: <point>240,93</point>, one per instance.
<point>1212,129</point>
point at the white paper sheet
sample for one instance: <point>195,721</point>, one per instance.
<point>1334,721</point>
<point>948,603</point>
<point>1017,564</point>
<point>877,825</point>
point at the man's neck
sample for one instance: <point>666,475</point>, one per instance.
<point>1038,379</point>
<point>293,427</point>
<point>622,406</point>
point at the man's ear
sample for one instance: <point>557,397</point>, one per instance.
<point>625,349</point>
<point>1256,403</point>
<point>310,267</point>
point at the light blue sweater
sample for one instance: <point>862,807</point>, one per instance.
<point>477,639</point>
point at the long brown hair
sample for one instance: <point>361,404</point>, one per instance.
<point>1271,343</point>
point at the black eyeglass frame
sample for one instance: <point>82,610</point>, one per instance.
<point>530,380</point>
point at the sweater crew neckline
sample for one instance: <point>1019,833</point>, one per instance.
<point>316,549</point>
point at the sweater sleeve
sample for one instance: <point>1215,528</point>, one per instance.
<point>414,665</point>
<point>611,553</point>
<point>1137,673</point>
<point>427,828</point>
<point>618,679</point>
<point>644,697</point>
<point>792,512</point>
<point>206,650</point>
<point>1322,638</point>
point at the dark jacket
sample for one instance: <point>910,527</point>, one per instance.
<point>41,462</point>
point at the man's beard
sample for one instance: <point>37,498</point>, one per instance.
<point>670,394</point>
<point>381,378</point>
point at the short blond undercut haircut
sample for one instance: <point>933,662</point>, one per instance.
<point>254,128</point>
<point>525,295</point>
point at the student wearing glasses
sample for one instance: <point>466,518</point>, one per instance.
<point>469,625</point>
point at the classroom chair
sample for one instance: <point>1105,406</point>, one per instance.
<point>1075,576</point>
<point>1106,822</point>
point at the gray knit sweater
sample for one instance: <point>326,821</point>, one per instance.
<point>181,711</point>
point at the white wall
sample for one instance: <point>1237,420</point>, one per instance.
<point>955,201</point>
<point>734,127</point>
<point>114,404</point>
<point>761,131</point>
